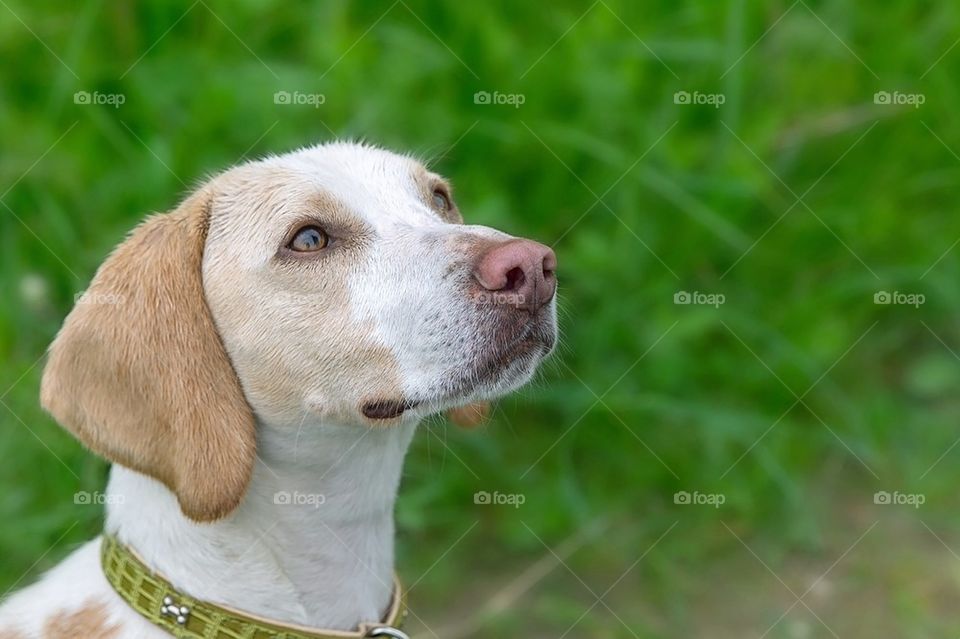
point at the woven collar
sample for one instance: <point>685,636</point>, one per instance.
<point>183,616</point>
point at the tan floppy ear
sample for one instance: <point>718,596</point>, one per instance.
<point>469,416</point>
<point>139,375</point>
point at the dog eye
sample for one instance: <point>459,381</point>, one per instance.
<point>308,240</point>
<point>441,200</point>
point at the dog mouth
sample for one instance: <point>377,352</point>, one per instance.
<point>493,367</point>
<point>387,408</point>
<point>494,363</point>
<point>501,367</point>
<point>487,370</point>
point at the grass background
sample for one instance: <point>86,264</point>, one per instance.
<point>797,399</point>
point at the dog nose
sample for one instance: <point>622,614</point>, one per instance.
<point>522,271</point>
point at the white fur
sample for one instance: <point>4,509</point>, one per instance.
<point>307,340</point>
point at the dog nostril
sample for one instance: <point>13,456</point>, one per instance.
<point>549,264</point>
<point>515,279</point>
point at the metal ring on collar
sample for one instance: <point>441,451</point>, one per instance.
<point>387,631</point>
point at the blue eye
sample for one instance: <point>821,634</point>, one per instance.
<point>441,201</point>
<point>308,240</point>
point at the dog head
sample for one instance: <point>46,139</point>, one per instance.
<point>336,283</point>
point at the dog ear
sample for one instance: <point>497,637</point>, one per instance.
<point>138,372</point>
<point>471,415</point>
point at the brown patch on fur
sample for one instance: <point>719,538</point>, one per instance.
<point>341,349</point>
<point>10,634</point>
<point>87,622</point>
<point>333,216</point>
<point>139,375</point>
<point>316,303</point>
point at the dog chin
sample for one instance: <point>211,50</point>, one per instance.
<point>494,373</point>
<point>514,376</point>
<point>498,373</point>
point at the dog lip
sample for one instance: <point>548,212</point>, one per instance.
<point>387,408</point>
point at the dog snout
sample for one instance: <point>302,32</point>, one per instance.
<point>522,271</point>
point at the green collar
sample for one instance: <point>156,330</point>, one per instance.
<point>187,618</point>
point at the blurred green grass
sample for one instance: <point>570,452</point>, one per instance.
<point>642,198</point>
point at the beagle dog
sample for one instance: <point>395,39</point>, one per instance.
<point>254,363</point>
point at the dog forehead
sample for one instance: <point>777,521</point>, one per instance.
<point>349,186</point>
<point>380,187</point>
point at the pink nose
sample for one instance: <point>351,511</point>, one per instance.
<point>522,271</point>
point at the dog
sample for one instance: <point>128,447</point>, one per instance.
<point>254,364</point>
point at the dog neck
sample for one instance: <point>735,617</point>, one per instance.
<point>311,543</point>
